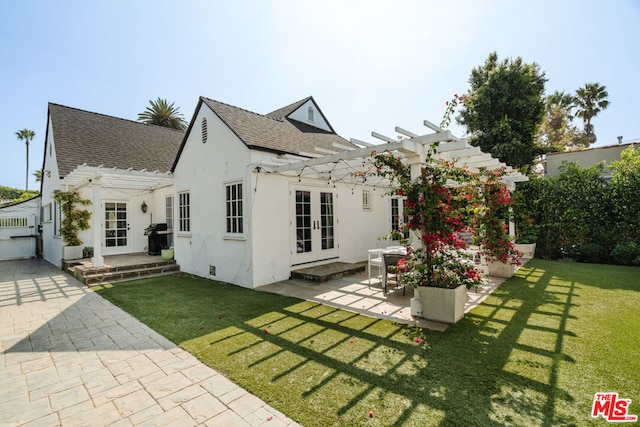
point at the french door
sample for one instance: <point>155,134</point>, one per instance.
<point>313,225</point>
<point>116,229</point>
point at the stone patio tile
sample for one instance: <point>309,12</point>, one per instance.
<point>167,385</point>
<point>103,415</point>
<point>199,372</point>
<point>50,420</point>
<point>21,411</point>
<point>114,390</point>
<point>246,404</point>
<point>58,387</point>
<point>204,407</point>
<point>218,385</point>
<point>232,395</point>
<point>85,406</point>
<point>134,402</point>
<point>42,378</point>
<point>226,419</point>
<point>68,398</point>
<point>173,417</point>
<point>146,414</point>
<point>180,397</point>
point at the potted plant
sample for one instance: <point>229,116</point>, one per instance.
<point>167,253</point>
<point>436,213</point>
<point>73,221</point>
<point>526,235</point>
<point>492,226</point>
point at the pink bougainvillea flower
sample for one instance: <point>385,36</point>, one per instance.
<point>418,340</point>
<point>370,414</point>
<point>269,418</point>
<point>266,331</point>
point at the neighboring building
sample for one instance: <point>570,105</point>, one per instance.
<point>18,229</point>
<point>585,158</point>
<point>248,197</point>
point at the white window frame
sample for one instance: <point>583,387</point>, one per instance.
<point>57,218</point>
<point>184,212</point>
<point>234,209</point>
<point>366,200</point>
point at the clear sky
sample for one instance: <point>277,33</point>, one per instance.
<point>371,65</point>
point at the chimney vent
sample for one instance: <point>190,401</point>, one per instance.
<point>620,140</point>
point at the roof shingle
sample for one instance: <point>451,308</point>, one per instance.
<point>274,132</point>
<point>99,140</point>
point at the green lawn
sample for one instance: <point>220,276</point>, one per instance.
<point>534,353</point>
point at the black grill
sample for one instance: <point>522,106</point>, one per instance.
<point>157,237</point>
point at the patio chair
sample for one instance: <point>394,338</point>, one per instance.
<point>375,260</point>
<point>390,262</point>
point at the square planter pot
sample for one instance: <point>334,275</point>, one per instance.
<point>441,304</point>
<point>528,249</point>
<point>72,252</point>
<point>501,269</point>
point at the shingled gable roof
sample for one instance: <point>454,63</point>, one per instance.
<point>83,137</point>
<point>284,112</point>
<point>265,132</point>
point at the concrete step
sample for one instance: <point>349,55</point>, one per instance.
<point>121,274</point>
<point>333,270</point>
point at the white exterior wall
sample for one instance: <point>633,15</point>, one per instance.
<point>302,115</point>
<point>357,230</point>
<point>203,170</point>
<point>51,245</point>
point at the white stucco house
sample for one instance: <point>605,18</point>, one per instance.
<point>120,165</point>
<point>248,197</point>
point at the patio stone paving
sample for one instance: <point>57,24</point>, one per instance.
<point>69,357</point>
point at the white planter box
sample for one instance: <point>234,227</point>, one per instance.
<point>72,252</point>
<point>501,269</point>
<point>528,249</point>
<point>441,304</point>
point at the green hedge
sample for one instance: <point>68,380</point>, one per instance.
<point>582,216</point>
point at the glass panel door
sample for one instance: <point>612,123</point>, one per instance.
<point>304,243</point>
<point>313,226</point>
<point>116,228</point>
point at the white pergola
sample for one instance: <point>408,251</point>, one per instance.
<point>347,163</point>
<point>126,180</point>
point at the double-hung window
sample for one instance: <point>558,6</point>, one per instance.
<point>184,212</point>
<point>234,208</point>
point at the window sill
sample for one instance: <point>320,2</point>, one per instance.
<point>239,237</point>
<point>183,234</point>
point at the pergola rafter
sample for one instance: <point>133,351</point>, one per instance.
<point>349,165</point>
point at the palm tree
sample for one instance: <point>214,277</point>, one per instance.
<point>162,113</point>
<point>26,135</point>
<point>563,100</point>
<point>590,100</point>
<point>38,174</point>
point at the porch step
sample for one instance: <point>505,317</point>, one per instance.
<point>334,270</point>
<point>89,275</point>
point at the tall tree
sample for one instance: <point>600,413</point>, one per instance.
<point>26,135</point>
<point>557,133</point>
<point>591,100</point>
<point>504,108</point>
<point>161,113</point>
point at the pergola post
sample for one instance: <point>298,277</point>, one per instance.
<point>415,161</point>
<point>97,260</point>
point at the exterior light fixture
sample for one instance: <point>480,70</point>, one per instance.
<point>143,207</point>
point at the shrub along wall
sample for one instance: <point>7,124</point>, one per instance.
<point>584,217</point>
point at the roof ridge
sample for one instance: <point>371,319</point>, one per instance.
<point>241,109</point>
<point>114,117</point>
<point>297,104</point>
